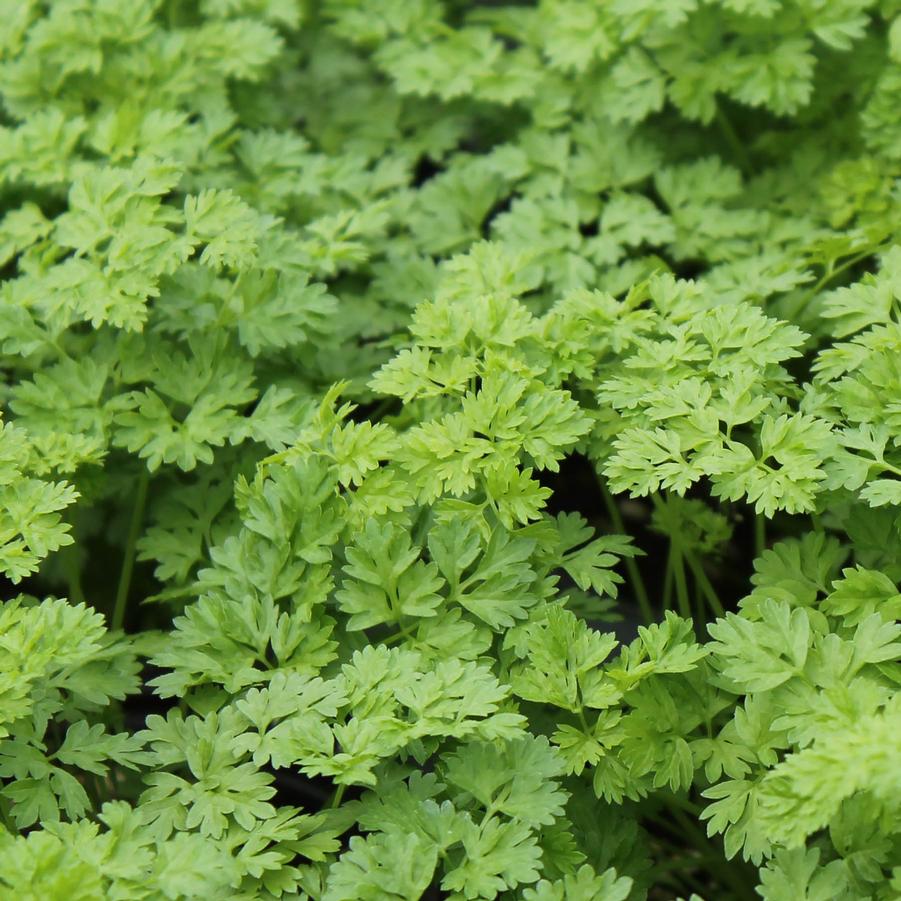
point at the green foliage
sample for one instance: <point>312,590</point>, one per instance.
<point>313,317</point>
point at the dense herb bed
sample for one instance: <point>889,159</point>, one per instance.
<point>450,450</point>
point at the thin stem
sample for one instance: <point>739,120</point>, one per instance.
<point>832,272</point>
<point>128,560</point>
<point>672,799</point>
<point>709,592</point>
<point>675,565</point>
<point>887,467</point>
<point>584,723</point>
<point>73,577</point>
<point>637,583</point>
<point>338,796</point>
<point>700,617</point>
<point>405,632</point>
<point>358,640</point>
<point>734,142</point>
<point>683,599</point>
<point>759,534</point>
<point>668,587</point>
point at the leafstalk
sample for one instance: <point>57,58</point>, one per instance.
<point>128,558</point>
<point>338,797</point>
<point>632,570</point>
<point>759,534</point>
<point>683,597</point>
<point>709,592</point>
<point>734,142</point>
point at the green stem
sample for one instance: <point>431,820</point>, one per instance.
<point>669,577</point>
<point>833,272</point>
<point>128,560</point>
<point>683,598</point>
<point>635,580</point>
<point>584,723</point>
<point>885,466</point>
<point>759,534</point>
<point>700,617</point>
<point>675,564</point>
<point>338,796</point>
<point>734,142</point>
<point>405,632</point>
<point>70,560</point>
<point>709,592</point>
<point>680,801</point>
<point>668,587</point>
<point>73,577</point>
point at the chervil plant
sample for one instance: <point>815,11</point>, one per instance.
<point>450,450</point>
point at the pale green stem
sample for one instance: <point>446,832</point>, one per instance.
<point>759,533</point>
<point>128,559</point>
<point>683,598</point>
<point>709,592</point>
<point>635,580</point>
<point>338,796</point>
